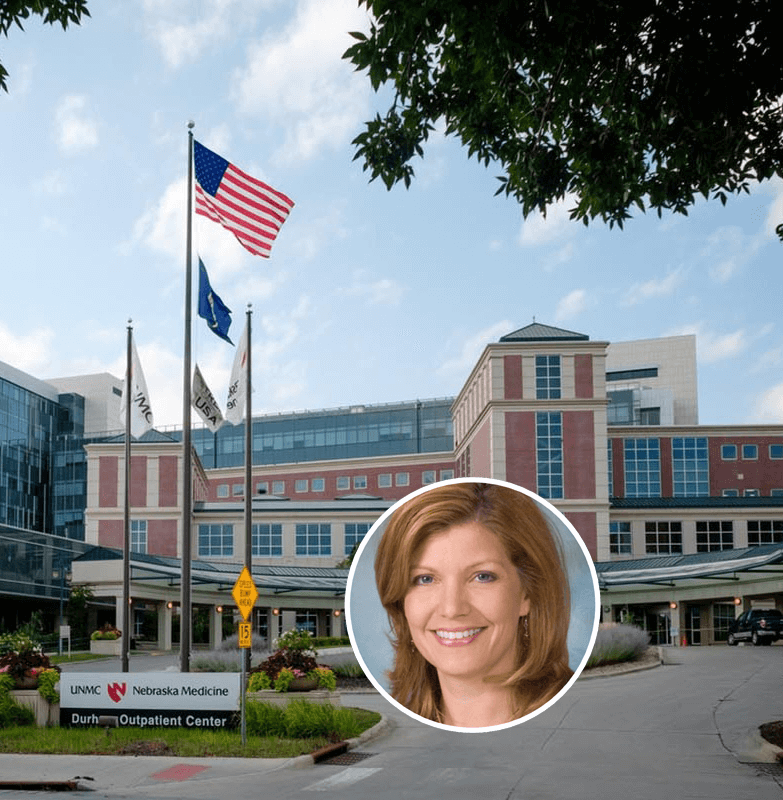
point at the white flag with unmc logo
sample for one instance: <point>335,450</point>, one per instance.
<point>141,410</point>
<point>237,388</point>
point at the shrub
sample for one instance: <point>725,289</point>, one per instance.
<point>231,644</point>
<point>296,640</point>
<point>618,643</point>
<point>259,681</point>
<point>325,678</point>
<point>47,679</point>
<point>26,662</point>
<point>286,659</point>
<point>308,720</point>
<point>265,719</point>
<point>11,713</point>
<point>18,642</point>
<point>107,632</point>
<point>320,642</point>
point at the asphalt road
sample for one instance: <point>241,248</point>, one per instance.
<point>685,730</point>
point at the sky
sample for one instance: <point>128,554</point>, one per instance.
<point>370,296</point>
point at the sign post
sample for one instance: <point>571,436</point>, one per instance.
<point>245,595</point>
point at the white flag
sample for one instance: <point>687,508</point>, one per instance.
<point>237,388</point>
<point>141,410</point>
<point>204,402</point>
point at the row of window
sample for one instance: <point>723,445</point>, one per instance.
<point>749,452</point>
<point>343,483</point>
<point>666,537</point>
<point>311,539</point>
<point>749,493</point>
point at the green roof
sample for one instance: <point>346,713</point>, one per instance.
<point>536,332</point>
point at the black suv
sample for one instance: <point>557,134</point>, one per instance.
<point>759,625</point>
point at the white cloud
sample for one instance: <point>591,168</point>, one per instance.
<point>76,129</point>
<point>300,75</point>
<point>471,349</point>
<point>572,304</point>
<point>29,352</point>
<point>53,184</point>
<point>655,287</point>
<point>712,346</point>
<point>206,23</point>
<point>769,405</point>
<point>538,229</point>
<point>383,291</point>
<point>729,249</point>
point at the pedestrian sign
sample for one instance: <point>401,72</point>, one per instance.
<point>245,593</point>
<point>245,635</point>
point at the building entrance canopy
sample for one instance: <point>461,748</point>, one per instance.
<point>675,569</point>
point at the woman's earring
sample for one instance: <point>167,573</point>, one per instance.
<point>526,631</point>
<point>413,647</point>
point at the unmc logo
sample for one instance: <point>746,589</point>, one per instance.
<point>116,691</point>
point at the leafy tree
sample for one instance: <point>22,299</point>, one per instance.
<point>12,12</point>
<point>77,610</point>
<point>621,104</point>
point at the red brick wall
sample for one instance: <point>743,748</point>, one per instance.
<point>481,452</point>
<point>110,533</point>
<point>512,380</point>
<point>108,489</point>
<point>138,482</point>
<point>763,474</point>
<point>578,454</point>
<point>521,449</point>
<point>167,481</point>
<point>583,375</point>
<point>587,528</point>
<point>162,537</point>
<point>618,468</point>
<point>667,485</point>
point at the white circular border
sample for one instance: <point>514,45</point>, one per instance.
<point>549,508</point>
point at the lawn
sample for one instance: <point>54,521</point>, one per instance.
<point>180,742</point>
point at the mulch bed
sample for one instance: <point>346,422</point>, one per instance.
<point>152,747</point>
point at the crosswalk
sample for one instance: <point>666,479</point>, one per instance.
<point>339,780</point>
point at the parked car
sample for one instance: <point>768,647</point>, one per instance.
<point>759,626</point>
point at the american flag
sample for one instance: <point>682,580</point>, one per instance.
<point>249,208</point>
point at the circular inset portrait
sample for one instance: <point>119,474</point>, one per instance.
<point>472,604</point>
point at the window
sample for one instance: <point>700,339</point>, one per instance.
<point>402,479</point>
<point>446,474</point>
<point>728,452</point>
<point>343,483</point>
<point>650,416</point>
<point>764,531</point>
<point>262,487</point>
<point>301,485</point>
<point>776,492</point>
<point>549,453</point>
<point>318,484</point>
<point>314,539</point>
<point>714,535</point>
<point>690,466</point>
<point>776,452</point>
<point>222,490</point>
<point>642,467</point>
<point>722,617</point>
<point>663,537</point>
<point>238,490</point>
<point>385,480</point>
<point>750,452</point>
<point>354,533</point>
<point>428,476</point>
<point>620,538</point>
<point>267,540</point>
<point>610,462</point>
<point>729,493</point>
<point>138,535</point>
<point>307,621</point>
<point>631,374</point>
<point>359,481</point>
<point>547,377</point>
<point>215,540</point>
<point>278,487</point>
<point>751,493</point>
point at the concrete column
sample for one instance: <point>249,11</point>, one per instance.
<point>215,627</point>
<point>164,626</point>
<point>289,620</point>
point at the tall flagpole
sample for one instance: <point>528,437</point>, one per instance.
<point>125,621</point>
<point>248,468</point>
<point>187,489</point>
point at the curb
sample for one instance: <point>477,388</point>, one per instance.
<point>753,748</point>
<point>324,753</point>
<point>624,668</point>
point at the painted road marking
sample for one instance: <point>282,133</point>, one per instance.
<point>343,778</point>
<point>179,772</point>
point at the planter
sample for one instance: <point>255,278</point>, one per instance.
<point>45,714</point>
<point>26,682</point>
<point>106,647</point>
<point>303,685</point>
<point>284,698</point>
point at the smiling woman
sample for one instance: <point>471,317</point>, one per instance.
<point>477,595</point>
